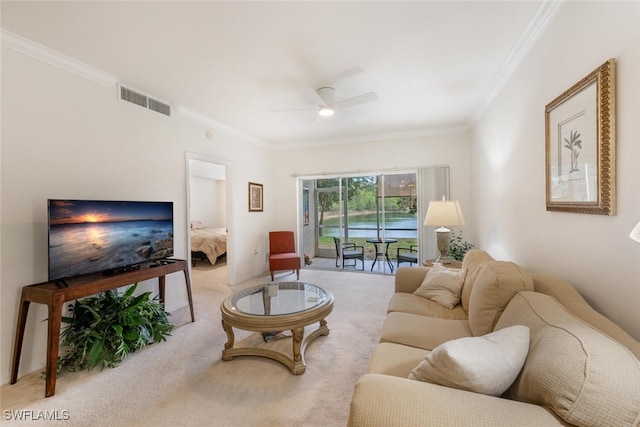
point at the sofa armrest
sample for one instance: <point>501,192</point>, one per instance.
<point>408,279</point>
<point>383,400</point>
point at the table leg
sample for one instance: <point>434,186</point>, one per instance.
<point>161,288</point>
<point>23,310</point>
<point>230,340</point>
<point>299,366</point>
<point>53,343</point>
<point>386,255</point>
<point>375,257</point>
<point>187,280</point>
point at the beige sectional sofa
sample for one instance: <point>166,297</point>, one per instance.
<point>580,367</point>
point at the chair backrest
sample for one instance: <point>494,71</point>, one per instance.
<point>338,246</point>
<point>281,242</point>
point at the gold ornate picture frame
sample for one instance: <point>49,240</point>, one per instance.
<point>256,197</point>
<point>581,145</point>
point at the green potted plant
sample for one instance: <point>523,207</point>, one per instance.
<point>458,247</point>
<point>105,328</point>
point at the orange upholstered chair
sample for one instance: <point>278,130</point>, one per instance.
<point>282,252</point>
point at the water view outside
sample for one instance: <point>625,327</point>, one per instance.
<point>400,226</point>
<point>397,225</point>
<point>364,198</point>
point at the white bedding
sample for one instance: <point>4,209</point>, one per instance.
<point>211,241</point>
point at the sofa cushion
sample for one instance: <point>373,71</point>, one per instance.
<point>583,375</point>
<point>471,261</point>
<point>442,285</point>
<point>496,282</point>
<point>569,297</point>
<point>488,364</point>
<point>422,331</point>
<point>395,359</point>
<point>386,401</point>
<point>410,303</point>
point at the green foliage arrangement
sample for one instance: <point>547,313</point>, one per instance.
<point>459,247</point>
<point>106,327</point>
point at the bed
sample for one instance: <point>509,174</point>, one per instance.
<point>211,242</point>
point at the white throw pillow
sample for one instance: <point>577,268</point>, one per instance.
<point>442,285</point>
<point>488,364</point>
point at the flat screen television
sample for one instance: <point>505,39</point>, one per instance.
<point>91,236</point>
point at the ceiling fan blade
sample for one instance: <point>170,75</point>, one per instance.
<point>287,110</point>
<point>342,76</point>
<point>356,100</point>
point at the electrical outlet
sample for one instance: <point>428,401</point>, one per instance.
<point>66,312</point>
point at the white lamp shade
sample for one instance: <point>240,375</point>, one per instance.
<point>635,233</point>
<point>444,213</point>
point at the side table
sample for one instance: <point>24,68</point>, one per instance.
<point>55,294</point>
<point>451,264</point>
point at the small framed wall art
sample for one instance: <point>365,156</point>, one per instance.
<point>581,145</point>
<point>256,197</point>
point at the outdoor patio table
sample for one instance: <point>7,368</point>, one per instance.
<point>378,246</point>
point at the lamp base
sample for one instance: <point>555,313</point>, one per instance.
<point>443,240</point>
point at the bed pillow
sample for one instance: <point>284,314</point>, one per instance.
<point>442,285</point>
<point>488,364</point>
<point>196,224</point>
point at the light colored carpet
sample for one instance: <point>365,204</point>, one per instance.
<point>184,382</point>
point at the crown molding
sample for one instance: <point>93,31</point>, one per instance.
<point>378,137</point>
<point>215,125</point>
<point>49,56</point>
<point>543,16</point>
<point>40,52</point>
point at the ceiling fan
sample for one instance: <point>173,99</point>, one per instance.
<point>325,100</point>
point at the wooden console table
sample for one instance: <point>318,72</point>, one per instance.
<point>55,294</point>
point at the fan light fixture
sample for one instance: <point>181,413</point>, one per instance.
<point>326,111</point>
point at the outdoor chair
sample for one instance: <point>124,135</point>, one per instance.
<point>348,251</point>
<point>282,252</point>
<point>409,255</point>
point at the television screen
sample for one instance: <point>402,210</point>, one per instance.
<point>89,236</point>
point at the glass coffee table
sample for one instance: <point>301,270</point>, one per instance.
<point>277,307</point>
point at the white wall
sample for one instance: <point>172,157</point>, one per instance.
<point>66,137</point>
<point>409,153</point>
<point>208,204</point>
<point>593,252</point>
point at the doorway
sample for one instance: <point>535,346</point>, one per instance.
<point>207,213</point>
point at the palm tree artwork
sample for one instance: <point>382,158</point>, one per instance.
<point>574,143</point>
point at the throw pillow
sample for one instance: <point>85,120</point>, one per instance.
<point>442,285</point>
<point>496,282</point>
<point>488,364</point>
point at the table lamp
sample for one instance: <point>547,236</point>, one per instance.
<point>635,233</point>
<point>444,213</point>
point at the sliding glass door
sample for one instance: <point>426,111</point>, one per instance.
<point>377,212</point>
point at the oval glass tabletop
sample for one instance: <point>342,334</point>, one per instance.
<point>278,299</point>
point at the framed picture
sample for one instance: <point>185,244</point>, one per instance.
<point>305,206</point>
<point>256,197</point>
<point>580,145</point>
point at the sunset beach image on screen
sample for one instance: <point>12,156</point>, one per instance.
<point>88,236</point>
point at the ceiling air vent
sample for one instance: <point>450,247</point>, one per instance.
<point>160,107</point>
<point>145,101</point>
